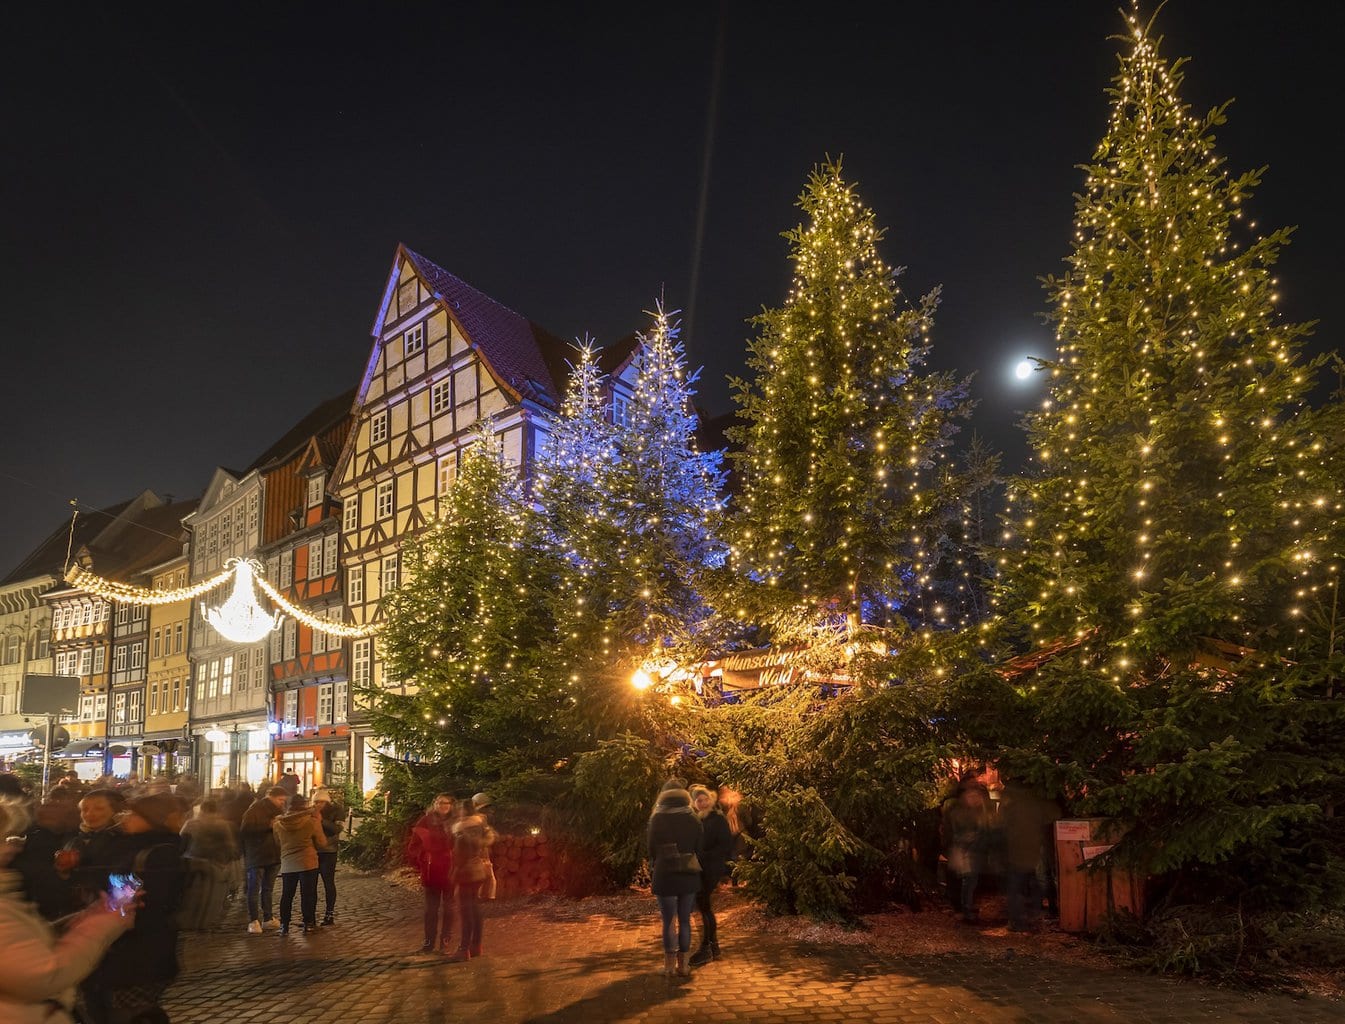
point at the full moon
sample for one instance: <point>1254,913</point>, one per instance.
<point>1023,370</point>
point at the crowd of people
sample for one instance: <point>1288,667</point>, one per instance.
<point>98,879</point>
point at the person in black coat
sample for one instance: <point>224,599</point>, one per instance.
<point>715,852</point>
<point>675,842</point>
<point>261,858</point>
<point>130,982</point>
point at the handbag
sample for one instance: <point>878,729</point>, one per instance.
<point>677,863</point>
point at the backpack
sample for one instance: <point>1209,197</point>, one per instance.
<point>205,888</point>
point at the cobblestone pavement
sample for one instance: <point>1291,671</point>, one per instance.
<point>597,961</point>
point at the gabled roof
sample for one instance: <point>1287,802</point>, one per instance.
<point>48,558</point>
<point>529,360</point>
<point>317,421</point>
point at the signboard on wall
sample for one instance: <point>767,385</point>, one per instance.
<point>49,695</point>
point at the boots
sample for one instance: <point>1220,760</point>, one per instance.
<point>683,968</point>
<point>708,951</point>
<point>669,964</point>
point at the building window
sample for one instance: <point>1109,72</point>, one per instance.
<point>86,666</point>
<point>319,641</point>
<point>448,472</point>
<point>42,644</point>
<point>315,490</point>
<point>275,645</point>
<point>177,638</point>
<point>156,645</point>
<point>119,659</point>
<point>154,697</point>
<point>383,500</point>
<point>315,559</point>
<point>135,711</point>
<point>291,638</point>
<point>291,708</point>
<point>350,514</point>
<point>213,689</point>
<point>360,658</point>
<point>200,682</point>
<point>88,615</point>
<point>341,702</point>
<point>388,574</point>
<point>355,585</point>
<point>100,707</point>
<point>325,704</point>
<point>331,547</point>
<point>286,568</point>
<point>123,615</point>
<point>138,654</point>
<point>86,708</point>
<point>177,694</point>
<point>441,396</point>
<point>378,427</point>
<point>226,684</point>
<point>13,649</point>
<point>415,339</point>
<point>252,515</point>
<point>119,709</point>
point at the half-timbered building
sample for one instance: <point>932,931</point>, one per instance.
<point>446,359</point>
<point>301,536</point>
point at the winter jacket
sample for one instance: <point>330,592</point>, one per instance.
<point>300,837</point>
<point>331,820</point>
<point>717,847</point>
<point>260,848</point>
<point>148,952</point>
<point>674,830</point>
<point>430,850</point>
<point>38,971</point>
<point>472,839</point>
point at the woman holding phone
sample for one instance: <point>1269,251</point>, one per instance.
<point>39,972</point>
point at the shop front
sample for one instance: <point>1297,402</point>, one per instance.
<point>318,760</point>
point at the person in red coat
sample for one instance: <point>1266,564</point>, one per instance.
<point>430,851</point>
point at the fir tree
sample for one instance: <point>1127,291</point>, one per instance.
<point>841,431</point>
<point>472,628</point>
<point>634,511</point>
<point>1180,509</point>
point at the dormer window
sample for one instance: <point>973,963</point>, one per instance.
<point>414,339</point>
<point>315,490</point>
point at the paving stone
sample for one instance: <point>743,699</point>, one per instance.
<point>565,962</point>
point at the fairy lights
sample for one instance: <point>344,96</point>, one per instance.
<point>240,618</point>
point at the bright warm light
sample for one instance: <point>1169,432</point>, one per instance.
<point>1024,369</point>
<point>240,618</point>
<point>641,680</point>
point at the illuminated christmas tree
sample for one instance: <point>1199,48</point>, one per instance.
<point>1182,512</point>
<point>842,433</point>
<point>633,508</point>
<point>471,628</point>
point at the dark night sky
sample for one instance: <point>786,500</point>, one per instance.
<point>199,214</point>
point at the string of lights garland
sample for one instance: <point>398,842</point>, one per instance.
<point>126,593</point>
<point>328,626</point>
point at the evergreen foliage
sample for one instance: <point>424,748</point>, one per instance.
<point>841,432</point>
<point>1182,512</point>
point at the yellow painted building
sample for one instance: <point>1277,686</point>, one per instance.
<point>168,687</point>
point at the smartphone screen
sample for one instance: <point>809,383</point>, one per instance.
<point>121,891</point>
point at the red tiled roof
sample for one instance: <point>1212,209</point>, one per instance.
<point>528,359</point>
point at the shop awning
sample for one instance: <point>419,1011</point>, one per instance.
<point>80,748</point>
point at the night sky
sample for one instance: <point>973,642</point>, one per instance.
<point>199,214</point>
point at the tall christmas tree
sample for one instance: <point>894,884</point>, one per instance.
<point>634,511</point>
<point>472,628</point>
<point>842,429</point>
<point>1182,500</point>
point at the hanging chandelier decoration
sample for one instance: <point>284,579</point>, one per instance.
<point>240,618</point>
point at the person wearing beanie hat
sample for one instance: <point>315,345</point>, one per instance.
<point>675,841</point>
<point>299,834</point>
<point>332,818</point>
<point>131,980</point>
<point>38,972</point>
<point>472,870</point>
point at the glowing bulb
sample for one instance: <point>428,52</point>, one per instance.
<point>240,618</point>
<point>1023,370</point>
